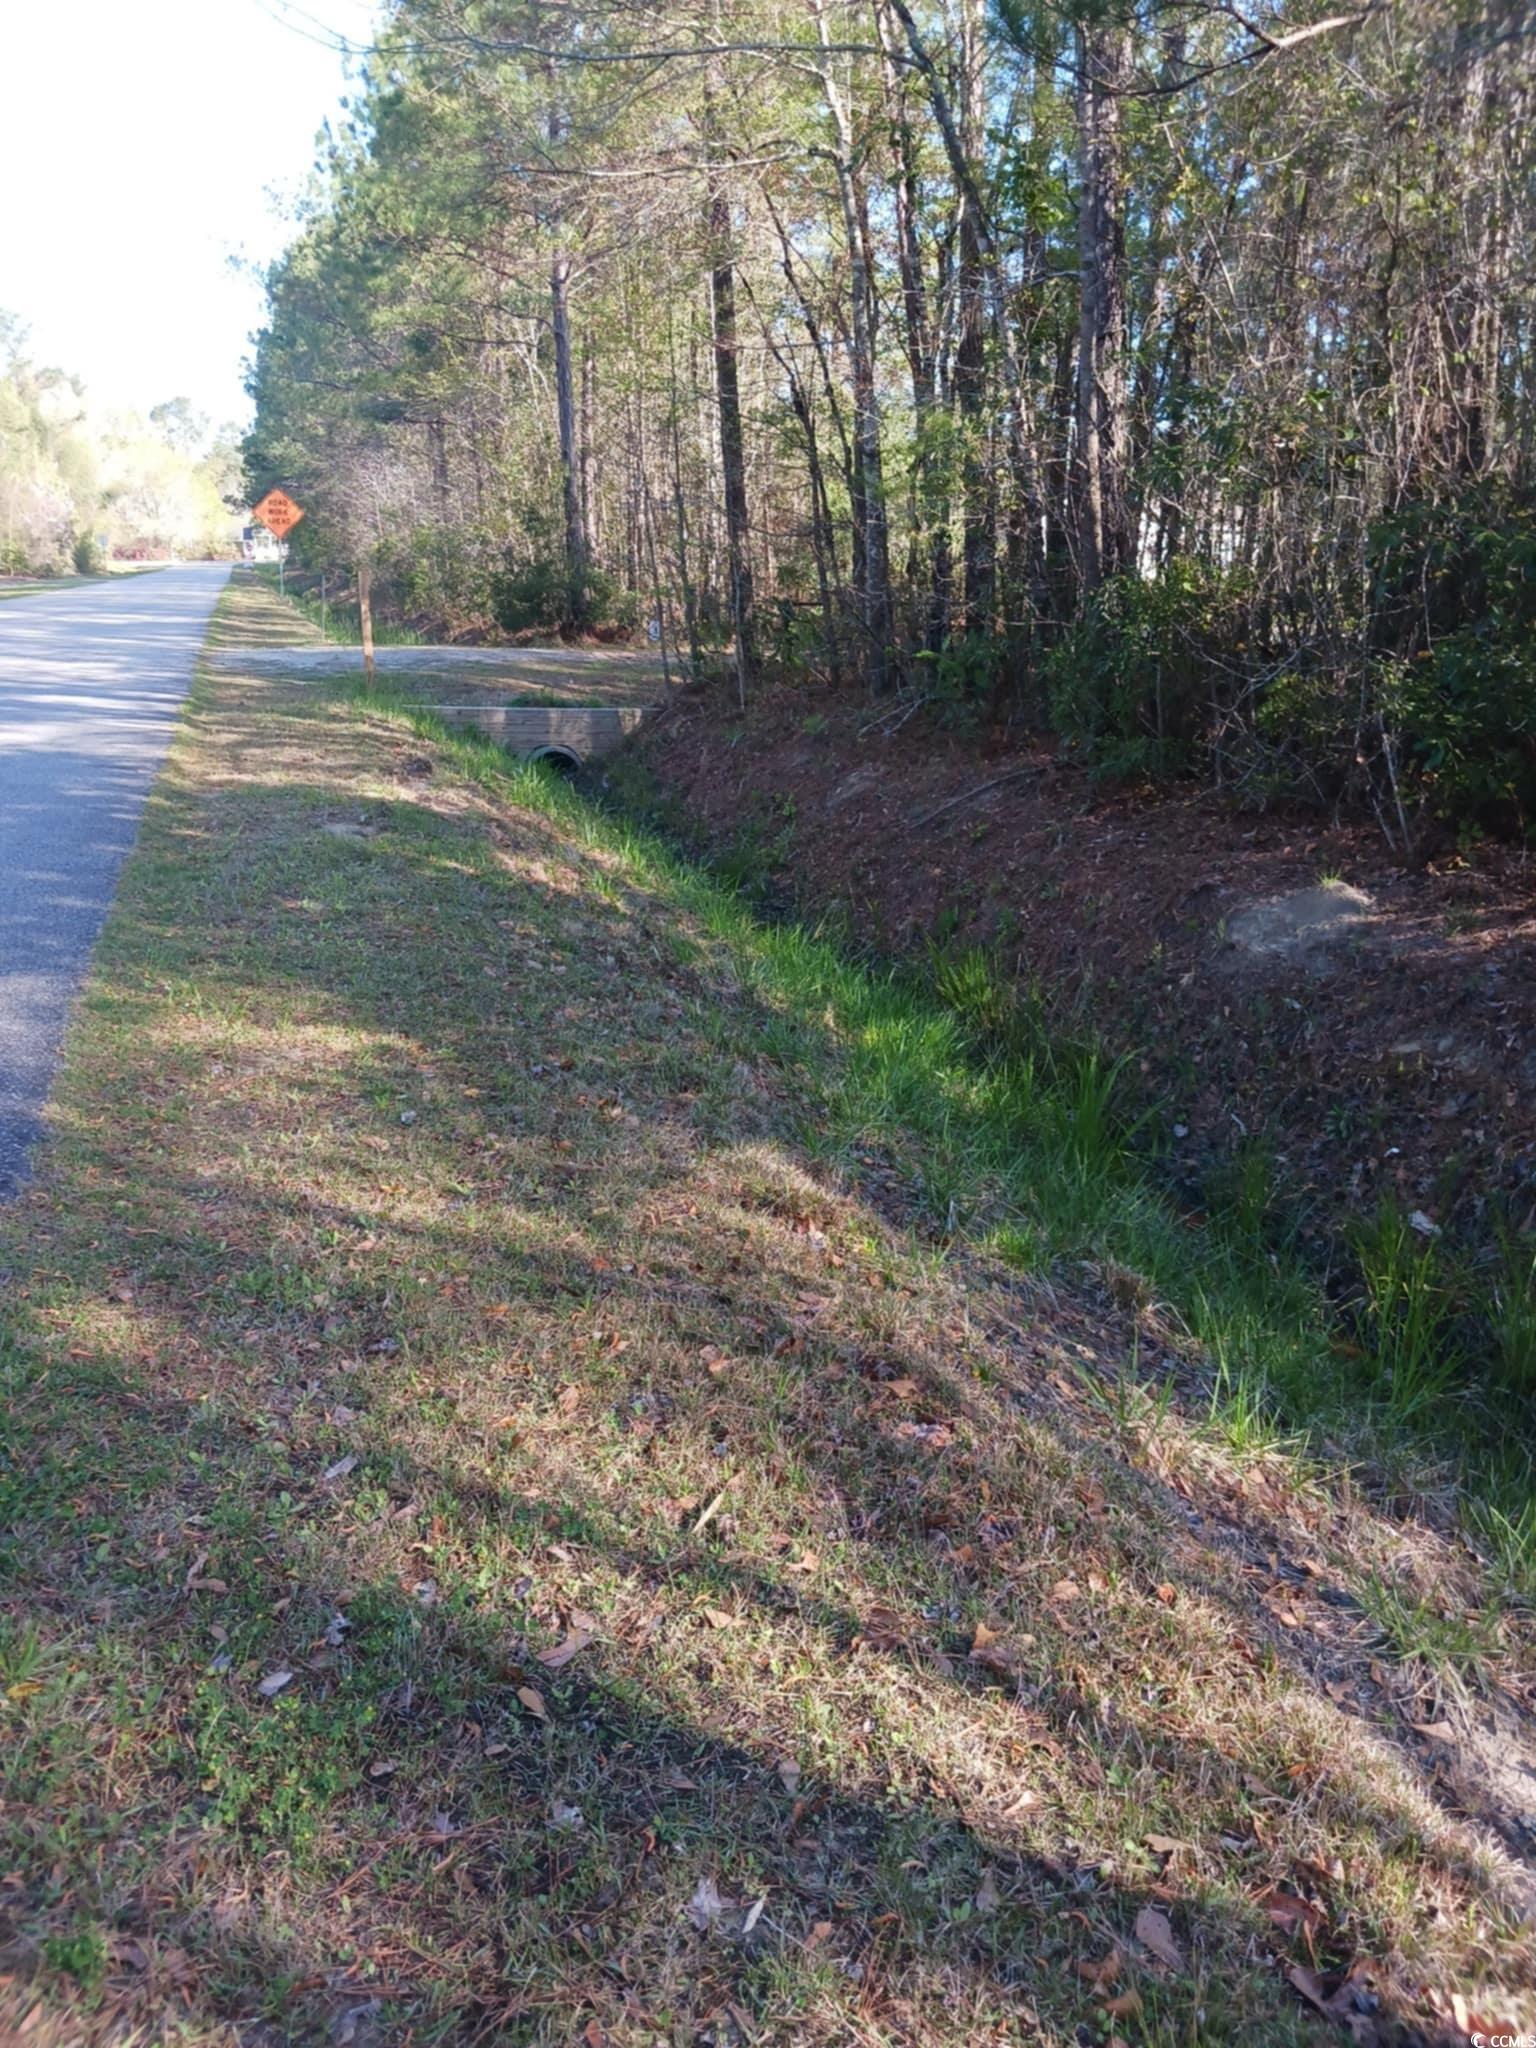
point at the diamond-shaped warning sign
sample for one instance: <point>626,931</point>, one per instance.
<point>278,513</point>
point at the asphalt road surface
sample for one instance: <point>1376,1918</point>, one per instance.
<point>90,683</point>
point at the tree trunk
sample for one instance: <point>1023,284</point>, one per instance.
<point>874,583</point>
<point>589,504</point>
<point>929,511</point>
<point>971,353</point>
<point>733,458</point>
<point>1103,523</point>
<point>577,554</point>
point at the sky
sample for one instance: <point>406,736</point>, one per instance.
<point>143,145</point>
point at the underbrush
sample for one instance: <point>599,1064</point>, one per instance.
<point>339,617</point>
<point>1401,685</point>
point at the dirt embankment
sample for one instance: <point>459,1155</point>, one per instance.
<point>1280,981</point>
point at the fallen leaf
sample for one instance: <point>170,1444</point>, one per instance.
<point>882,1629</point>
<point>789,1775</point>
<point>706,1906</point>
<point>1065,1589</point>
<point>1435,1731</point>
<point>988,1897</point>
<point>1310,1985</point>
<point>1165,1845</point>
<point>1155,1933</point>
<point>383,1767</point>
<point>574,1644</point>
<point>820,1933</point>
<point>342,1467</point>
<point>718,1618</point>
<point>1125,2006</point>
<point>1290,1912</point>
<point>1102,1973</point>
<point>594,2036</point>
<point>533,1700</point>
<point>676,1782</point>
<point>1167,1594</point>
<point>273,1684</point>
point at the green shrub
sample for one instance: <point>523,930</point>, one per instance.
<point>1136,681</point>
<point>1454,633</point>
<point>443,573</point>
<point>965,673</point>
<point>542,596</point>
<point>87,555</point>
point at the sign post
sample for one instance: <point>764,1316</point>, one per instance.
<point>279,515</point>
<point>365,616</point>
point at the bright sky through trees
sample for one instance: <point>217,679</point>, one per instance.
<point>141,148</point>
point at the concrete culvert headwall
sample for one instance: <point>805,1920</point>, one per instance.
<point>567,735</point>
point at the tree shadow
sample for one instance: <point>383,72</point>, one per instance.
<point>948,1835</point>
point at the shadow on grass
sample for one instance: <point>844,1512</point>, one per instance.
<point>361,1139</point>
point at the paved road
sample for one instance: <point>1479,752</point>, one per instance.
<point>90,682</point>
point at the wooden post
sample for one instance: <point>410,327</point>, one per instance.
<point>365,617</point>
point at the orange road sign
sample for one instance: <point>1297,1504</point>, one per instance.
<point>278,513</point>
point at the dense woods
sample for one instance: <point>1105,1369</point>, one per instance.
<point>1158,374</point>
<point>77,482</point>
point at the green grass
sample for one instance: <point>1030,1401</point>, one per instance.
<point>753,1498</point>
<point>1397,1346</point>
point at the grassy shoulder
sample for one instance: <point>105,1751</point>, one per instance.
<point>536,1511</point>
<point>44,586</point>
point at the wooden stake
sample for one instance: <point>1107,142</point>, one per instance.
<point>365,617</point>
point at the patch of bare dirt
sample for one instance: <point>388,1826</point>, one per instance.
<point>1277,977</point>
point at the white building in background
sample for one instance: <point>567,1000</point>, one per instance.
<point>257,545</point>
